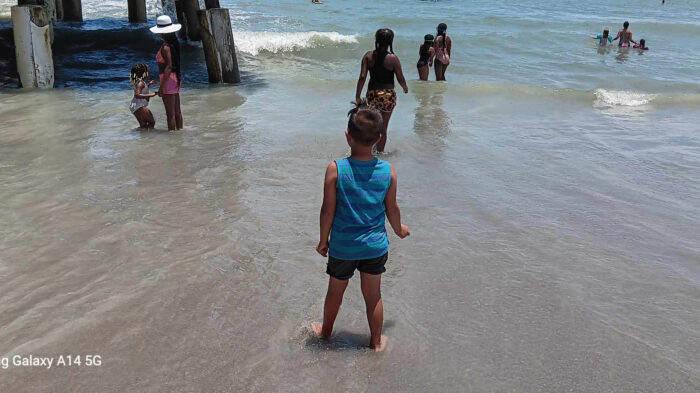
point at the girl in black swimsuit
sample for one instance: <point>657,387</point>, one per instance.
<point>426,53</point>
<point>382,65</point>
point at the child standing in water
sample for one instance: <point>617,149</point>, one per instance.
<point>605,38</point>
<point>642,45</point>
<point>358,192</point>
<point>139,104</point>
<point>426,53</point>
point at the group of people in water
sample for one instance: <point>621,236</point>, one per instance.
<point>384,66</point>
<point>624,36</point>
<point>381,64</point>
<point>169,75</point>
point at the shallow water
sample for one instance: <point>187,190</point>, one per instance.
<point>552,195</point>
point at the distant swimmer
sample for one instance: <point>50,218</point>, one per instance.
<point>443,51</point>
<point>625,36</point>
<point>642,45</point>
<point>426,53</point>
<point>317,1</point>
<point>605,38</point>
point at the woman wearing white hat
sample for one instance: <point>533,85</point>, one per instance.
<point>169,70</point>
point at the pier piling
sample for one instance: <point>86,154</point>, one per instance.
<point>72,10</point>
<point>49,7</point>
<point>59,9</point>
<point>137,11</point>
<point>219,47</point>
<point>187,16</point>
<point>209,4</point>
<point>31,29</point>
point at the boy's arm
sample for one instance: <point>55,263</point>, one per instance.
<point>328,207</point>
<point>393,213</point>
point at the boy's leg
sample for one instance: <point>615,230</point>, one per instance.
<point>371,290</point>
<point>334,298</point>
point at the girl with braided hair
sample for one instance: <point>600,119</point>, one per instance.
<point>139,104</point>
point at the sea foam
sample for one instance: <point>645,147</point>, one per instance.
<point>623,98</point>
<point>254,42</point>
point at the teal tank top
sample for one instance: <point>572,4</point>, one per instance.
<point>358,226</point>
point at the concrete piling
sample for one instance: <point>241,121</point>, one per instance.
<point>187,16</point>
<point>219,48</point>
<point>137,11</point>
<point>72,10</point>
<point>31,29</point>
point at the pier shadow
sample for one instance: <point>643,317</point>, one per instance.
<point>99,53</point>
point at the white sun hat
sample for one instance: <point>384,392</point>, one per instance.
<point>165,25</point>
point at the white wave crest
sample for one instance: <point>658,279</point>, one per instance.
<point>623,98</point>
<point>254,42</point>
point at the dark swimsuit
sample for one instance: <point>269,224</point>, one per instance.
<point>424,57</point>
<point>380,91</point>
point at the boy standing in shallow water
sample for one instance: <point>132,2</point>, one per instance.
<point>358,192</point>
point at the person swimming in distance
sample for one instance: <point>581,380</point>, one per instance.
<point>625,36</point>
<point>605,38</point>
<point>642,45</point>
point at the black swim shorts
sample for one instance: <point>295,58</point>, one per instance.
<point>343,270</point>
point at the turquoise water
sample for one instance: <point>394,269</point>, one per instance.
<point>552,191</point>
<point>542,44</point>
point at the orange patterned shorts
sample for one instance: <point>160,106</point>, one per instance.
<point>384,100</point>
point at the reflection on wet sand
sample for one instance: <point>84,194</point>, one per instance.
<point>431,121</point>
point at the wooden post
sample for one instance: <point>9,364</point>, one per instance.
<point>209,4</point>
<point>137,11</point>
<point>72,10</point>
<point>59,10</point>
<point>219,48</point>
<point>188,18</point>
<point>49,6</point>
<point>31,29</point>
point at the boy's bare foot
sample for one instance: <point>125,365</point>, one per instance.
<point>317,328</point>
<point>383,342</point>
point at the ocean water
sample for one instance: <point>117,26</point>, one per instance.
<point>552,190</point>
